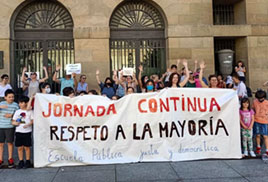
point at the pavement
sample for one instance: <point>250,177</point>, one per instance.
<point>242,170</point>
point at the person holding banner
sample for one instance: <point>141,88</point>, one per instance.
<point>33,82</point>
<point>109,87</point>
<point>67,81</point>
<point>174,78</point>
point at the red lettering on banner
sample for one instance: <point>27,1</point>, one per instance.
<point>162,105</point>
<point>58,105</point>
<point>199,105</point>
<point>175,99</point>
<point>89,110</point>
<point>67,108</point>
<point>213,103</point>
<point>49,111</point>
<point>100,111</point>
<point>191,105</point>
<point>111,109</point>
<point>139,106</point>
<point>152,105</point>
<point>77,111</point>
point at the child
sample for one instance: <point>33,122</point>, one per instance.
<point>7,109</point>
<point>246,121</point>
<point>260,105</point>
<point>23,120</point>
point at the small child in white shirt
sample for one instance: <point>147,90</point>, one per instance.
<point>23,120</point>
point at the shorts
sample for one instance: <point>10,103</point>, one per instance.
<point>7,135</point>
<point>23,139</point>
<point>260,129</point>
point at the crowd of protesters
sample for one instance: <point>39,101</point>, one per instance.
<point>253,120</point>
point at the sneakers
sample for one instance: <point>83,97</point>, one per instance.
<point>1,164</point>
<point>20,165</point>
<point>258,150</point>
<point>252,154</point>
<point>27,164</point>
<point>11,163</point>
<point>245,153</point>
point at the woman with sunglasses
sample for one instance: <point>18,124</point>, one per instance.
<point>4,85</point>
<point>33,82</point>
<point>82,85</point>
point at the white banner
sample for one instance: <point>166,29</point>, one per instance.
<point>171,125</point>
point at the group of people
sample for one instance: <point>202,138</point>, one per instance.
<point>20,116</point>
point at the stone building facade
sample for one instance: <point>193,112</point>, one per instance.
<point>190,29</point>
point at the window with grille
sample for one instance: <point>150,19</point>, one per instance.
<point>223,14</point>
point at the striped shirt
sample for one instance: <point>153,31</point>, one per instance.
<point>6,122</point>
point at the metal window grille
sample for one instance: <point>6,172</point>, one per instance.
<point>223,14</point>
<point>137,38</point>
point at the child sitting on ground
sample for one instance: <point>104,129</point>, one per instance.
<point>23,120</point>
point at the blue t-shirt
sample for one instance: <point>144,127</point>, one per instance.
<point>65,83</point>
<point>108,91</point>
<point>81,87</point>
<point>6,122</point>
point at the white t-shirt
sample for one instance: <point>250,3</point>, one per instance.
<point>240,71</point>
<point>3,89</point>
<point>241,89</point>
<point>26,117</point>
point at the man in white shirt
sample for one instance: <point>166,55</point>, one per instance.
<point>239,86</point>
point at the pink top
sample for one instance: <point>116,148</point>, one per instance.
<point>197,83</point>
<point>246,117</point>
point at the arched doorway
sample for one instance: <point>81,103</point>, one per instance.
<point>137,31</point>
<point>41,35</point>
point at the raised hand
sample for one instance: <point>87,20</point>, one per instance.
<point>141,68</point>
<point>202,65</point>
<point>97,72</point>
<point>58,67</point>
<point>184,62</point>
<point>178,61</point>
<point>24,69</point>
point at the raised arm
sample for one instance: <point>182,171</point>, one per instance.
<point>135,79</point>
<point>97,77</point>
<point>178,65</point>
<point>202,67</point>
<point>75,80</point>
<point>23,76</point>
<point>184,82</point>
<point>139,76</point>
<point>55,79</point>
<point>115,77</point>
<point>195,65</point>
<point>46,75</point>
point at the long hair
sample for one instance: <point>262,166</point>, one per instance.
<point>148,81</point>
<point>171,78</point>
<point>108,78</point>
<point>244,100</point>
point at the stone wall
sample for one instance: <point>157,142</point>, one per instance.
<point>189,33</point>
